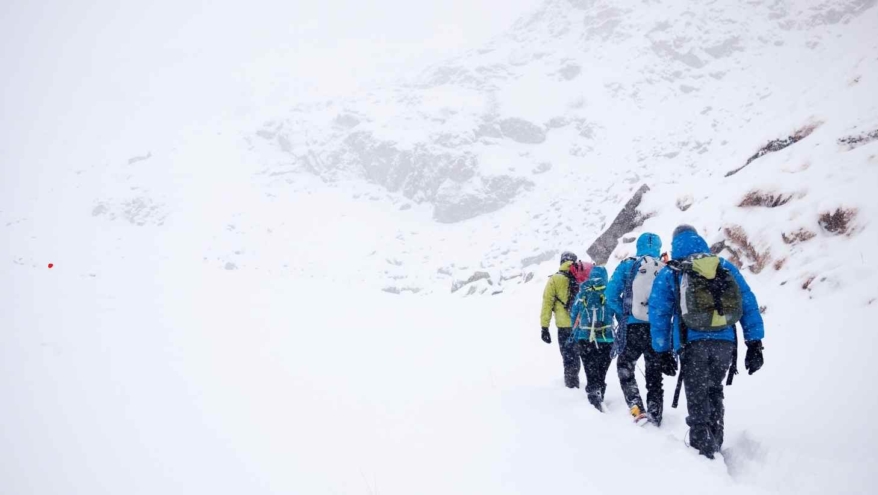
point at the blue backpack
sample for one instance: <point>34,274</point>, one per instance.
<point>593,319</point>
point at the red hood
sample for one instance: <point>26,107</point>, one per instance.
<point>581,270</point>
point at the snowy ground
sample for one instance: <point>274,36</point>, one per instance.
<point>195,380</point>
<point>215,321</point>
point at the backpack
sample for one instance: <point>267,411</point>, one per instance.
<point>709,296</point>
<point>638,286</point>
<point>572,290</point>
<point>595,319</point>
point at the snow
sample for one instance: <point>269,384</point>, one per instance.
<point>190,379</point>
<point>242,311</point>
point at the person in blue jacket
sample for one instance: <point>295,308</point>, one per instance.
<point>593,333</point>
<point>633,337</point>
<point>705,357</point>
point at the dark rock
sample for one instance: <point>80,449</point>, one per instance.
<point>456,202</point>
<point>522,131</point>
<point>627,220</point>
<point>474,278</point>
<point>777,145</point>
<point>537,259</point>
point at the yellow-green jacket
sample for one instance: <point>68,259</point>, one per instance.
<point>555,298</point>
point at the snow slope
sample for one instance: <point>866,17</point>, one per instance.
<point>231,383</point>
<point>215,318</point>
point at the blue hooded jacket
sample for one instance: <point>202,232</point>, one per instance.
<point>597,280</point>
<point>648,244</point>
<point>663,315</point>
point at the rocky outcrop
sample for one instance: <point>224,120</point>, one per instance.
<point>522,131</point>
<point>777,145</point>
<point>627,220</point>
<point>456,201</point>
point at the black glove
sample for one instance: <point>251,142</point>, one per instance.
<point>668,363</point>
<point>546,336</point>
<point>754,360</point>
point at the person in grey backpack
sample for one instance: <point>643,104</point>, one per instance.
<point>695,303</point>
<point>628,296</point>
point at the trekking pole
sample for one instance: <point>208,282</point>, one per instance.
<point>679,387</point>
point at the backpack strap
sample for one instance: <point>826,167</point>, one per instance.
<point>678,314</point>
<point>570,295</point>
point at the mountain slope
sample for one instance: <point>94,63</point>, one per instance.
<point>214,318</point>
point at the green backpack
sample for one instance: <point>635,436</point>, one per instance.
<point>710,298</point>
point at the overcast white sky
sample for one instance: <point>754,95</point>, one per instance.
<point>71,69</point>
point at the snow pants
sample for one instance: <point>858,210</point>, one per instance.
<point>596,359</point>
<point>569,357</point>
<point>639,342</point>
<point>704,364</point>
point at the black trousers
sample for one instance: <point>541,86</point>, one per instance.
<point>704,364</point>
<point>639,343</point>
<point>596,359</point>
<point>570,358</point>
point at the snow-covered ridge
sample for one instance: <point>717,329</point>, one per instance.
<point>556,123</point>
<point>486,166</point>
<point>214,317</point>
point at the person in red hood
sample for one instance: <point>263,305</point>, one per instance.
<point>581,270</point>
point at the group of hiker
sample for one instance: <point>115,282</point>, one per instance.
<point>667,310</point>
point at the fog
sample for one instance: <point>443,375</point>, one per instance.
<point>76,74</point>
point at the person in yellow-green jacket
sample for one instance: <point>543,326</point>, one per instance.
<point>558,296</point>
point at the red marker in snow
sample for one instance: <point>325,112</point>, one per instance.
<point>51,265</point>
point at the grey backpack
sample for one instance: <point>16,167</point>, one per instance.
<point>644,270</point>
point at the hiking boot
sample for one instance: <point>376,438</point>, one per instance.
<point>656,420</point>
<point>654,411</point>
<point>596,400</point>
<point>701,439</point>
<point>640,418</point>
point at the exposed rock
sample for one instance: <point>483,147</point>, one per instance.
<point>488,129</point>
<point>537,259</point>
<point>685,202</point>
<point>100,209</point>
<point>542,168</point>
<point>455,201</point>
<point>798,236</point>
<point>347,121</point>
<point>522,131</point>
<point>284,143</point>
<point>418,173</point>
<point>400,290</point>
<point>764,199</point>
<point>777,145</point>
<point>627,220</point>
<point>741,249</point>
<point>457,285</point>
<point>570,71</point>
<point>140,158</point>
<point>838,222</point>
<point>851,142</point>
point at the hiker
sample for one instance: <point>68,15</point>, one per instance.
<point>696,301</point>
<point>593,334</point>
<point>561,289</point>
<point>628,296</point>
